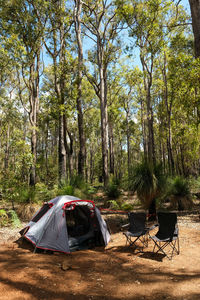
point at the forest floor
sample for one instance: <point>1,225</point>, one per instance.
<point>114,273</point>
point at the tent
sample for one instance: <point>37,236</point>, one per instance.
<point>67,224</point>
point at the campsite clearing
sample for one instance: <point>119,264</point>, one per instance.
<point>114,273</point>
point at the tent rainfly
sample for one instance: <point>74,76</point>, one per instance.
<point>67,224</point>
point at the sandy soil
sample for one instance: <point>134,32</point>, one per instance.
<point>118,272</point>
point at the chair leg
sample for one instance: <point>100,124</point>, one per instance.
<point>143,239</point>
<point>130,241</point>
<point>165,244</point>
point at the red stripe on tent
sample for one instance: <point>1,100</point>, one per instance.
<point>74,203</point>
<point>45,248</point>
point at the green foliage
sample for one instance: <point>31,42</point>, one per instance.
<point>3,218</point>
<point>43,193</point>
<point>77,187</point>
<point>147,181</point>
<point>180,187</point>
<point>9,218</point>
<point>194,184</point>
<point>114,204</point>
<point>112,189</point>
<point>127,206</point>
<point>119,205</point>
<point>66,190</point>
<point>25,24</point>
<point>13,218</point>
<point>25,195</point>
<point>77,182</point>
<point>179,193</point>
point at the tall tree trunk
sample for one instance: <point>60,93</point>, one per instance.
<point>6,159</point>
<point>61,128</point>
<point>144,134</point>
<point>128,143</point>
<point>46,150</point>
<point>91,165</point>
<point>151,144</point>
<point>195,13</point>
<point>104,112</point>
<point>34,104</point>
<point>82,151</point>
<point>168,109</point>
<point>61,151</point>
<point>111,148</point>
<point>182,160</point>
<point>69,148</point>
<point>147,87</point>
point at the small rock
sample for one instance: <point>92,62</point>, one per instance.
<point>65,267</point>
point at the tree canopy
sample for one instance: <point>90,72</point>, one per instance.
<point>91,88</point>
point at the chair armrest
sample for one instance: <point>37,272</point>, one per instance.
<point>125,226</point>
<point>152,227</point>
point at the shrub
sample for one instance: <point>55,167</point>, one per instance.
<point>66,190</point>
<point>149,182</point>
<point>114,204</point>
<point>78,182</point>
<point>14,220</point>
<point>3,218</point>
<point>180,187</point>
<point>179,193</point>
<point>112,189</point>
<point>127,206</point>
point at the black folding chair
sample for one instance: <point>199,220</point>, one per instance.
<point>167,234</point>
<point>137,229</point>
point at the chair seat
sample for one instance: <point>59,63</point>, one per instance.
<point>135,234</point>
<point>155,238</point>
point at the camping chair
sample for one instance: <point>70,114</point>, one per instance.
<point>137,229</point>
<point>167,234</point>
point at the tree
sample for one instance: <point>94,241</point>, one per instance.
<point>20,19</point>
<point>149,183</point>
<point>57,32</point>
<point>77,21</point>
<point>102,27</point>
<point>195,13</point>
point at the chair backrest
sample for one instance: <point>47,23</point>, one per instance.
<point>167,224</point>
<point>137,221</point>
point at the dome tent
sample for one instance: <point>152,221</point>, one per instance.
<point>67,224</point>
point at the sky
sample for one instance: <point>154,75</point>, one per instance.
<point>135,61</point>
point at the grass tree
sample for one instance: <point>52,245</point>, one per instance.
<point>148,182</point>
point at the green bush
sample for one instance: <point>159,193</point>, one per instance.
<point>13,218</point>
<point>114,204</point>
<point>180,187</point>
<point>112,189</point>
<point>127,206</point>
<point>4,220</point>
<point>42,193</point>
<point>66,190</point>
<point>179,193</point>
<point>194,184</point>
<point>78,182</point>
<point>148,181</point>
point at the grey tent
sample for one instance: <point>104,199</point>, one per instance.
<point>67,224</point>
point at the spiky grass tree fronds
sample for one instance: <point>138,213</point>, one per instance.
<point>180,193</point>
<point>112,189</point>
<point>180,187</point>
<point>147,181</point>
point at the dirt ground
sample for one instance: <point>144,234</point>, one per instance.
<point>117,272</point>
